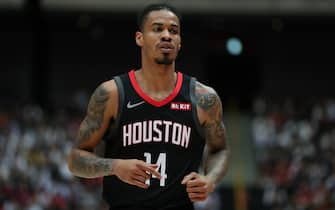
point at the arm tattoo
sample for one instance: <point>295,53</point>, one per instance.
<point>95,114</point>
<point>206,100</point>
<point>216,160</point>
<point>209,102</point>
<point>90,166</point>
<point>84,163</point>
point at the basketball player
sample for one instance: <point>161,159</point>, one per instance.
<point>158,125</point>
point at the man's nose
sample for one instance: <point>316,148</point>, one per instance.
<point>165,36</point>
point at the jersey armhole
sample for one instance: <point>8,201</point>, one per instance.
<point>194,105</point>
<point>116,122</point>
<point>120,88</point>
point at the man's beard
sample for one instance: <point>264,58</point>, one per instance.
<point>164,61</point>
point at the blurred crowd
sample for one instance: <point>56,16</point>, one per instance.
<point>295,152</point>
<point>33,169</point>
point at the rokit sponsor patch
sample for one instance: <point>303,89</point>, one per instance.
<point>183,106</point>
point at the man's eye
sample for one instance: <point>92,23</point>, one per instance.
<point>174,31</point>
<point>156,29</point>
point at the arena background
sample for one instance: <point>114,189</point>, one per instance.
<point>278,95</point>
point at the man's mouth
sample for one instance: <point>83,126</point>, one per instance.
<point>166,47</point>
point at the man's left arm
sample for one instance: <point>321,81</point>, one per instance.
<point>217,152</point>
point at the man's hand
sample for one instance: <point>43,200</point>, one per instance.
<point>135,172</point>
<point>198,186</point>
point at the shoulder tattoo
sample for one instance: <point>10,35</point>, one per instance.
<point>95,114</point>
<point>209,102</point>
<point>206,99</point>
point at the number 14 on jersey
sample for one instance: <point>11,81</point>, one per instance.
<point>161,162</point>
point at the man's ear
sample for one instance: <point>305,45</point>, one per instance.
<point>139,38</point>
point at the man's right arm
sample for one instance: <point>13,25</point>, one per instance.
<point>82,161</point>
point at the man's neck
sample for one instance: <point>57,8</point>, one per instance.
<point>160,81</point>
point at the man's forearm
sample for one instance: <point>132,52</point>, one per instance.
<point>88,165</point>
<point>217,165</point>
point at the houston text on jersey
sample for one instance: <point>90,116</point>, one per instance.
<point>156,131</point>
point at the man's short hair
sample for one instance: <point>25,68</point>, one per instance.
<point>142,16</point>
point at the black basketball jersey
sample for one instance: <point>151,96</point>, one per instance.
<point>164,132</point>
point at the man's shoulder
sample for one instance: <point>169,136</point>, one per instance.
<point>107,87</point>
<point>201,88</point>
<point>111,84</point>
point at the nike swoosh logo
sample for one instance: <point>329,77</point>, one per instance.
<point>130,105</point>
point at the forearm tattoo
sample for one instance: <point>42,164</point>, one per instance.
<point>90,166</point>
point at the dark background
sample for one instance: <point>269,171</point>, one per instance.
<point>47,55</point>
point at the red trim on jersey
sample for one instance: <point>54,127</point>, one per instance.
<point>148,98</point>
